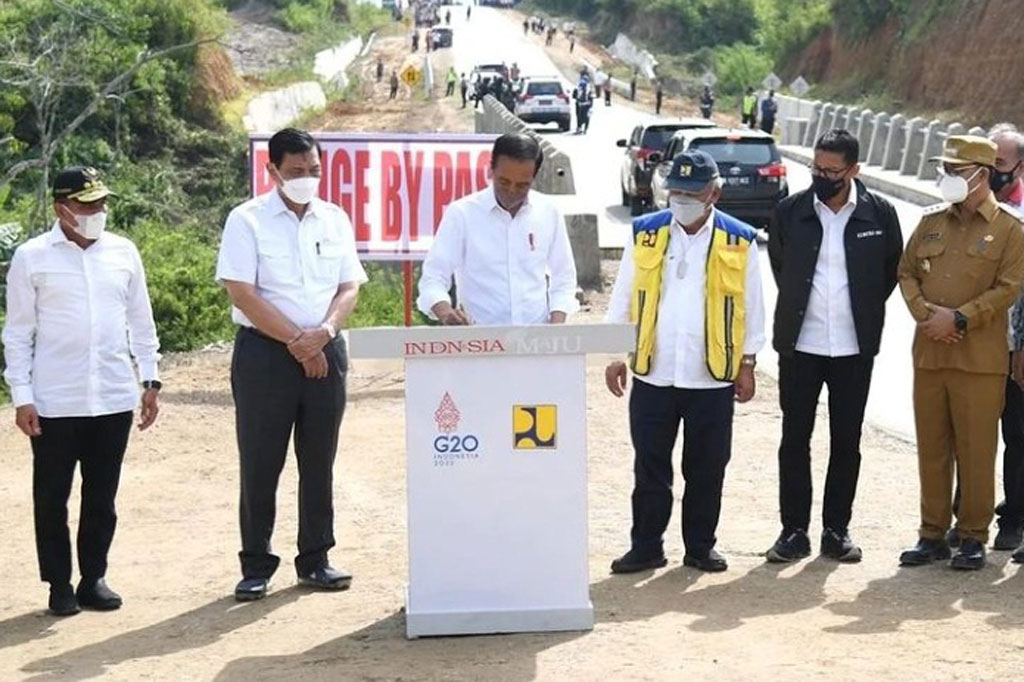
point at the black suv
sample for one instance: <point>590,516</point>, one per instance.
<point>635,176</point>
<point>753,174</point>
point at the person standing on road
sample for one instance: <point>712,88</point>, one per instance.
<point>448,18</point>
<point>748,109</point>
<point>464,89</point>
<point>658,95</point>
<point>584,98</point>
<point>526,27</point>
<point>452,79</point>
<point>572,43</point>
<point>690,282</point>
<point>707,102</point>
<point>289,264</point>
<point>961,271</point>
<point>632,87</point>
<point>77,313</point>
<point>600,82</point>
<point>834,252</point>
<point>769,107</point>
<point>507,248</point>
<point>469,12</point>
<point>415,40</point>
<point>380,69</point>
<point>394,85</point>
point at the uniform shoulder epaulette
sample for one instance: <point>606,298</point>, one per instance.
<point>1012,210</point>
<point>934,209</point>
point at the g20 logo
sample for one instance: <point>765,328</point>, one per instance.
<point>455,444</point>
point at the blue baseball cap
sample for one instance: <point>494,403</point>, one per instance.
<point>691,171</point>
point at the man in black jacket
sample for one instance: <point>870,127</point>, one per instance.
<point>834,252</point>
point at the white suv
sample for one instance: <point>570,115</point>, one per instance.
<point>544,100</point>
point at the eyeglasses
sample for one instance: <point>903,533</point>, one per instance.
<point>829,173</point>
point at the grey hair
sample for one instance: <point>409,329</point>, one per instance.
<point>1008,131</point>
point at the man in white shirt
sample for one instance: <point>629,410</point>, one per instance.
<point>690,282</point>
<point>507,247</point>
<point>77,312</point>
<point>288,261</point>
<point>834,251</point>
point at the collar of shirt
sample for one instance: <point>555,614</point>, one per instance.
<point>1016,198</point>
<point>276,205</point>
<point>820,205</point>
<point>489,200</point>
<point>705,229</point>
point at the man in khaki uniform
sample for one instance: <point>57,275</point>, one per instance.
<point>960,272</point>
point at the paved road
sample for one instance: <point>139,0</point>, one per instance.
<point>492,36</point>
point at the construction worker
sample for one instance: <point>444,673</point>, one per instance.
<point>451,80</point>
<point>748,109</point>
<point>960,273</point>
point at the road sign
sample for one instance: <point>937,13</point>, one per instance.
<point>709,79</point>
<point>771,82</point>
<point>799,87</point>
<point>411,76</point>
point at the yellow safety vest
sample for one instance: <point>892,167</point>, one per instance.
<point>749,104</point>
<point>724,301</point>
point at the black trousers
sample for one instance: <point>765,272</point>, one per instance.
<point>1012,510</point>
<point>654,416</point>
<point>801,377</point>
<point>273,400</point>
<point>98,443</point>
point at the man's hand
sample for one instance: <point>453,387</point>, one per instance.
<point>615,378</point>
<point>308,344</point>
<point>557,317</point>
<point>941,325</point>
<point>150,408</point>
<point>447,315</point>
<point>1017,367</point>
<point>745,384</point>
<point>27,419</point>
<point>316,367</point>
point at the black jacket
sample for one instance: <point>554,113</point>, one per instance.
<point>873,243</point>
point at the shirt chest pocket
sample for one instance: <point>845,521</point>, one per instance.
<point>53,283</point>
<point>277,265</point>
<point>983,259</point>
<point>927,253</point>
<point>330,255</point>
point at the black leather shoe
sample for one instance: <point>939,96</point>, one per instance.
<point>634,562</point>
<point>953,537</point>
<point>327,578</point>
<point>1009,537</point>
<point>252,589</point>
<point>792,545</point>
<point>925,552</point>
<point>94,594</point>
<point>1018,556</point>
<point>62,600</point>
<point>712,563</point>
<point>970,556</point>
<point>839,546</point>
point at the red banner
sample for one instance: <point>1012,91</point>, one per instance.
<point>394,187</point>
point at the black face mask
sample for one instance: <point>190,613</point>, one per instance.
<point>824,188</point>
<point>1000,180</point>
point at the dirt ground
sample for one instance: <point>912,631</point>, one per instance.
<point>174,562</point>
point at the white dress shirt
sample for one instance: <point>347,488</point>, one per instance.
<point>295,265</point>
<point>75,318</point>
<point>679,347</point>
<point>501,263</point>
<point>828,327</point>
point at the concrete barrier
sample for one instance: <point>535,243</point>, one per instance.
<point>913,147</point>
<point>586,251</point>
<point>274,110</point>
<point>879,132</point>
<point>934,137</point>
<point>825,120</point>
<point>812,125</point>
<point>862,131</point>
<point>894,142</point>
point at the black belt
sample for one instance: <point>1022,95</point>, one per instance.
<point>256,332</point>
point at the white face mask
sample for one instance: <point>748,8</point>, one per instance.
<point>91,226</point>
<point>301,190</point>
<point>955,188</point>
<point>687,211</point>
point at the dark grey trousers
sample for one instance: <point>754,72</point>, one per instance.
<point>273,398</point>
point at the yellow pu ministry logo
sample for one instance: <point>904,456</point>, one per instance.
<point>534,427</point>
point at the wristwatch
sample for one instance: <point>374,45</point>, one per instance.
<point>329,328</point>
<point>749,362</point>
<point>154,384</point>
<point>960,320</point>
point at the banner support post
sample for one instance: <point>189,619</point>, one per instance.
<point>407,286</point>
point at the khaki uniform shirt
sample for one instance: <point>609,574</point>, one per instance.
<point>974,265</point>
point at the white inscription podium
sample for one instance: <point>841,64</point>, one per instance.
<point>496,447</point>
